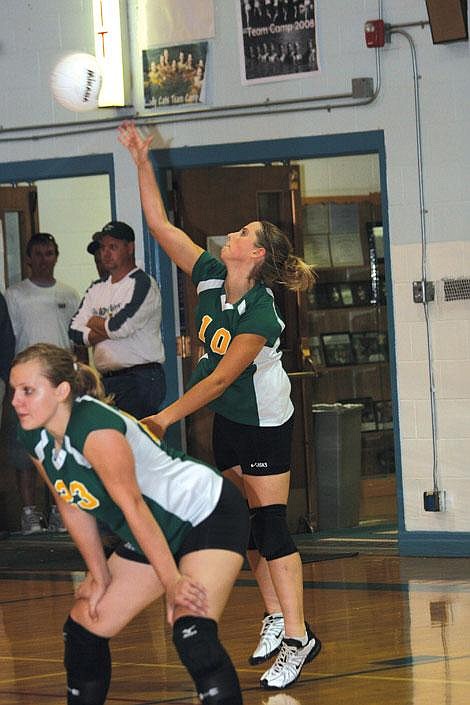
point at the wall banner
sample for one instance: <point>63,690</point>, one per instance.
<point>278,39</point>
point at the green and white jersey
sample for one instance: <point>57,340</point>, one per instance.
<point>179,491</point>
<point>261,395</point>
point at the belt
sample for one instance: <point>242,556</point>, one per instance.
<point>126,370</point>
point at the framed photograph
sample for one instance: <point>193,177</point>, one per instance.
<point>337,349</point>
<point>316,218</point>
<point>316,351</point>
<point>384,414</point>
<point>346,294</point>
<point>334,295</point>
<point>368,347</point>
<point>346,250</point>
<point>174,75</point>
<point>361,293</point>
<point>368,417</point>
<point>383,346</point>
<point>317,251</point>
<point>344,218</point>
<point>318,296</point>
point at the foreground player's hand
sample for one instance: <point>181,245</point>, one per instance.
<point>130,137</point>
<point>92,591</point>
<point>155,424</point>
<point>188,594</point>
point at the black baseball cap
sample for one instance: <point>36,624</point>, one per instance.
<point>117,229</point>
<point>94,245</point>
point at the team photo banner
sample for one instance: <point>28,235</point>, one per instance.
<point>278,39</point>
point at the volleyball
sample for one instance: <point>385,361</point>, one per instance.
<point>76,82</point>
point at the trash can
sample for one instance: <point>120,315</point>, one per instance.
<point>337,443</point>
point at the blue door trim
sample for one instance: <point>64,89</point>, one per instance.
<point>266,151</point>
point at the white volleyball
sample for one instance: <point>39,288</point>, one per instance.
<point>76,82</point>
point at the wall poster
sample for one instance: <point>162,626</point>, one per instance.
<point>174,75</point>
<point>278,39</point>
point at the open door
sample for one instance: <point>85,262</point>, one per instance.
<point>209,203</point>
<point>18,220</point>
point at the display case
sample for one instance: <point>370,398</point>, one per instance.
<point>347,316</point>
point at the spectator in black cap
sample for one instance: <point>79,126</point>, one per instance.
<point>94,249</point>
<point>119,318</point>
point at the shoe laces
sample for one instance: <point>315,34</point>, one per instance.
<point>284,659</point>
<point>270,623</point>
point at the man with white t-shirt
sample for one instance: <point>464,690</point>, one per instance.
<point>119,318</point>
<point>40,309</point>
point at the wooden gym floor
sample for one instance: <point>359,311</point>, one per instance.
<point>394,632</point>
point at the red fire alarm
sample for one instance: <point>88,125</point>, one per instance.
<point>375,33</point>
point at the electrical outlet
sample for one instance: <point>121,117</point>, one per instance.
<point>434,501</point>
<point>423,291</point>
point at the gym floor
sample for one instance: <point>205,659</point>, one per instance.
<point>394,632</point>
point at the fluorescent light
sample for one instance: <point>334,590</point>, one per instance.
<point>109,18</point>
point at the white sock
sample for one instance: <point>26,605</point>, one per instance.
<point>303,639</point>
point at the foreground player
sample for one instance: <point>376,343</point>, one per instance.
<point>240,376</point>
<point>184,527</point>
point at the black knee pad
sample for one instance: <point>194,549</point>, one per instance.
<point>87,660</point>
<point>270,532</point>
<point>251,539</point>
<point>208,664</point>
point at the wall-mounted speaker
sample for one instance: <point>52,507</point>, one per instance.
<point>448,20</point>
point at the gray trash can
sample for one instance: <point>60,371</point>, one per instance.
<point>337,442</point>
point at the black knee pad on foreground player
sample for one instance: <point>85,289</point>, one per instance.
<point>270,532</point>
<point>87,660</point>
<point>208,664</point>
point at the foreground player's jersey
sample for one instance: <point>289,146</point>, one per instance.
<point>261,394</point>
<point>179,491</point>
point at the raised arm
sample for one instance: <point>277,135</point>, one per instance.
<point>176,243</point>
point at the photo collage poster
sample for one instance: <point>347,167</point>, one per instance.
<point>174,75</point>
<point>278,39</point>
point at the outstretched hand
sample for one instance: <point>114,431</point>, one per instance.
<point>130,137</point>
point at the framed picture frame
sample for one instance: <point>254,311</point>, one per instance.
<point>316,351</point>
<point>368,346</point>
<point>384,414</point>
<point>361,293</point>
<point>346,294</point>
<point>346,249</point>
<point>334,295</point>
<point>318,296</point>
<point>337,349</point>
<point>368,415</point>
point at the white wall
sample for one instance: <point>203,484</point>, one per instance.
<point>32,33</point>
<point>72,210</point>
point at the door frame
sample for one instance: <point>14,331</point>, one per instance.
<point>266,151</point>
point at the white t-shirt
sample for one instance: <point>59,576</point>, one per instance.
<point>41,314</point>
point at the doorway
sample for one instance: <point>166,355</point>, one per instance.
<point>312,159</point>
<point>60,196</point>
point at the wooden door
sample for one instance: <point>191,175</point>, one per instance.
<point>19,220</point>
<point>209,203</point>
